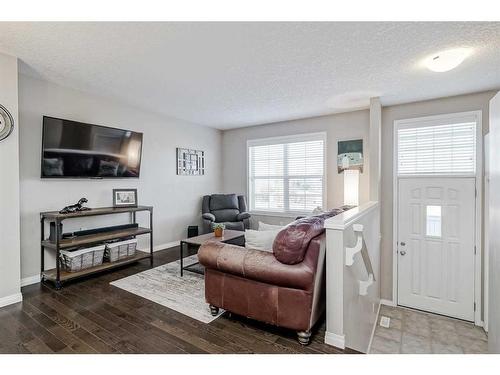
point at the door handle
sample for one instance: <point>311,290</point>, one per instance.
<point>403,243</point>
<point>402,252</point>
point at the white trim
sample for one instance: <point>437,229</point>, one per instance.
<point>9,300</point>
<point>162,246</point>
<point>335,340</point>
<point>30,280</point>
<point>475,116</point>
<point>387,302</point>
<point>374,328</point>
<point>347,218</point>
<point>281,140</point>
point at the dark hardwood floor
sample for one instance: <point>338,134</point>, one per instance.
<point>91,316</point>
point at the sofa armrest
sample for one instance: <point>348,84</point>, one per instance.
<point>243,215</point>
<point>208,216</point>
<point>256,265</point>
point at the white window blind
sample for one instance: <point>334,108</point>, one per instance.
<point>446,149</point>
<point>286,174</point>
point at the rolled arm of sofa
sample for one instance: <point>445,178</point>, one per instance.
<point>256,265</point>
<point>208,216</point>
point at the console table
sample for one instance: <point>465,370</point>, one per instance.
<point>58,276</point>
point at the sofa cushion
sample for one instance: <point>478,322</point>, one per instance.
<point>223,201</point>
<point>290,245</point>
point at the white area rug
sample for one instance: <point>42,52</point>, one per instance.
<point>164,285</point>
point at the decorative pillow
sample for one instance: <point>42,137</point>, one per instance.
<point>260,239</point>
<point>264,226</point>
<point>290,245</point>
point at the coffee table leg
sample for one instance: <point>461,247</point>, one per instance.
<point>182,266</point>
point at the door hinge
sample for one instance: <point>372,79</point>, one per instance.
<point>475,250</point>
<point>475,193</point>
<point>474,306</point>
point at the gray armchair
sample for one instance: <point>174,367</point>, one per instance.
<point>228,209</point>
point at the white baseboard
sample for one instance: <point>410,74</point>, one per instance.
<point>387,302</point>
<point>335,340</point>
<point>30,280</point>
<point>162,246</point>
<point>9,300</point>
<point>373,329</point>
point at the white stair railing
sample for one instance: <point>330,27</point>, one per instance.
<point>350,253</point>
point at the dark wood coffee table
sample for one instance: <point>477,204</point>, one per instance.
<point>230,236</point>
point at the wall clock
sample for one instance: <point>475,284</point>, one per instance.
<point>6,123</point>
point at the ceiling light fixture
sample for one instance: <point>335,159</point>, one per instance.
<point>447,60</point>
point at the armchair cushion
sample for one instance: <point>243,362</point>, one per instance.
<point>242,215</point>
<point>228,214</point>
<point>208,216</point>
<point>256,265</point>
<point>223,201</point>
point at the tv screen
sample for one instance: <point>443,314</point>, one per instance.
<point>73,149</point>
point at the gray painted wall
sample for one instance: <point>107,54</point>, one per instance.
<point>351,125</point>
<point>453,104</point>
<point>494,233</point>
<point>9,185</point>
<point>176,199</point>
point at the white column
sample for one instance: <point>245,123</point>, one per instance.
<point>334,334</point>
<point>375,148</point>
<point>10,263</point>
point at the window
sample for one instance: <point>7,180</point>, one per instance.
<point>442,147</point>
<point>433,221</point>
<point>286,174</point>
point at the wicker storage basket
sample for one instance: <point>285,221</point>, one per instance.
<point>78,260</point>
<point>119,250</point>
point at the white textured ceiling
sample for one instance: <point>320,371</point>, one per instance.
<point>228,75</point>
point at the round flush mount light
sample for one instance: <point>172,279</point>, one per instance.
<point>447,60</point>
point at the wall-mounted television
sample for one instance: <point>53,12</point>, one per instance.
<point>72,149</point>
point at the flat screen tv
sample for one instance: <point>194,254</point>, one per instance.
<point>72,149</point>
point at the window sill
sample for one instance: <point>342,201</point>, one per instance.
<point>280,214</point>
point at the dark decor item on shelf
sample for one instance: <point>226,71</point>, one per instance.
<point>75,207</point>
<point>87,232</point>
<point>52,235</point>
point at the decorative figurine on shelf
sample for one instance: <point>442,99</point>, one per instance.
<point>75,207</point>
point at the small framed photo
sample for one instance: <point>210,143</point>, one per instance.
<point>124,197</point>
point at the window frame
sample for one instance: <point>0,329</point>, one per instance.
<point>281,140</point>
<point>429,121</point>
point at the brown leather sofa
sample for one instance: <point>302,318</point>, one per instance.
<point>283,286</point>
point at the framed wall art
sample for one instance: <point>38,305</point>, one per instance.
<point>190,162</point>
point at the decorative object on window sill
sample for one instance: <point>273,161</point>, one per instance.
<point>350,155</point>
<point>219,229</point>
<point>78,206</point>
<point>190,162</point>
<point>6,123</point>
<point>124,197</point>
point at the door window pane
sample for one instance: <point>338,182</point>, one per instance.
<point>433,221</point>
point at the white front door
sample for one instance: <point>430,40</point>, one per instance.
<point>436,227</point>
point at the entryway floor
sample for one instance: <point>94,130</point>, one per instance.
<point>417,332</point>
